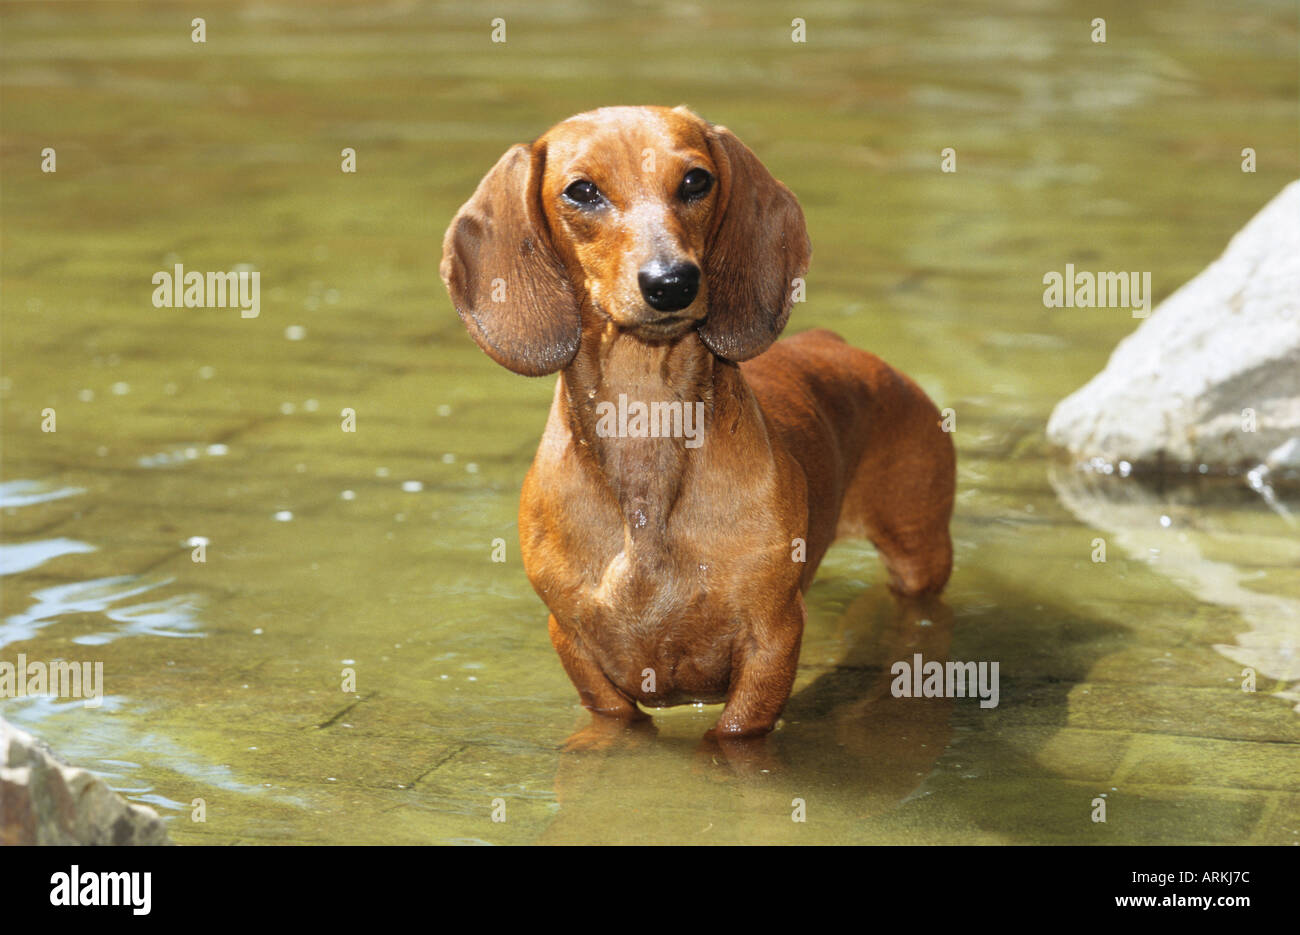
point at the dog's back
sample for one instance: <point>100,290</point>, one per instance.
<point>873,449</point>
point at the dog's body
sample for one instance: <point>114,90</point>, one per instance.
<point>674,573</point>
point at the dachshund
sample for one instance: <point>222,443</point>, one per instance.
<point>651,259</point>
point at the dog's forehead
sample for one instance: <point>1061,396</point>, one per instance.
<point>625,133</point>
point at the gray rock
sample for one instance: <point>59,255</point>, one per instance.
<point>1175,390</point>
<point>45,801</point>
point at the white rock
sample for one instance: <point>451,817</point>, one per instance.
<point>1175,390</point>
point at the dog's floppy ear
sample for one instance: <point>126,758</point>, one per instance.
<point>758,246</point>
<point>506,281</point>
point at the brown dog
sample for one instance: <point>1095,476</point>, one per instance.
<point>645,254</point>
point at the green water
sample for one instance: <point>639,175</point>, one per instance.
<point>223,679</point>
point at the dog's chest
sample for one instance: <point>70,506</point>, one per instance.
<point>659,572</point>
<point>659,630</point>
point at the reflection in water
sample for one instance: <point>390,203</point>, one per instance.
<point>97,751</point>
<point>1160,528</point>
<point>27,492</point>
<point>180,454</point>
<point>846,749</point>
<point>1261,481</point>
<point>174,616</point>
<point>25,556</point>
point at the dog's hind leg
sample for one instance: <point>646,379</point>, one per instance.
<point>901,497</point>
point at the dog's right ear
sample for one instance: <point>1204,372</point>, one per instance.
<point>506,281</point>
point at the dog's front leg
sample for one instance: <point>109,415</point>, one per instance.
<point>763,674</point>
<point>597,693</point>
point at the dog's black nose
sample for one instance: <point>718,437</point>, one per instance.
<point>671,288</point>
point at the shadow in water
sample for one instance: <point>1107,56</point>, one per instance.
<point>861,763</point>
<point>846,748</point>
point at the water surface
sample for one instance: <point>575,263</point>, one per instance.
<point>370,552</point>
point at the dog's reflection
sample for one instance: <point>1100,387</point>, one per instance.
<point>847,749</point>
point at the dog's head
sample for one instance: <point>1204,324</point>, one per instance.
<point>661,221</point>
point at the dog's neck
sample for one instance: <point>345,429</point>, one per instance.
<point>644,474</point>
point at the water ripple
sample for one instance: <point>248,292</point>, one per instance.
<point>25,556</point>
<point>26,492</point>
<point>175,616</point>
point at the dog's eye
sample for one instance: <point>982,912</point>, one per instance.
<point>696,184</point>
<point>583,192</point>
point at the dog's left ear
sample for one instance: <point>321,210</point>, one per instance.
<point>758,246</point>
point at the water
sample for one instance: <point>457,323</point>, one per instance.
<point>333,555</point>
